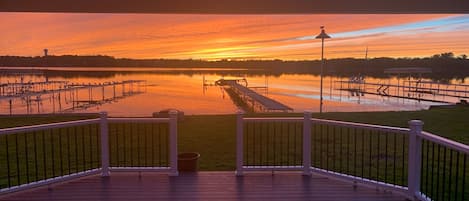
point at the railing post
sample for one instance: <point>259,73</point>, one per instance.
<point>173,142</point>
<point>239,143</point>
<point>104,144</point>
<point>307,143</point>
<point>415,150</point>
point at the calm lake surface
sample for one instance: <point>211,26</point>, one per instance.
<point>183,89</point>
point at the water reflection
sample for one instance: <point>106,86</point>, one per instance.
<point>186,91</point>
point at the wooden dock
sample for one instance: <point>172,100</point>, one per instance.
<point>256,99</point>
<point>408,89</point>
<point>204,186</point>
<point>65,94</point>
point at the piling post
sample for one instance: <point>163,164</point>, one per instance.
<point>239,143</point>
<point>173,144</point>
<point>103,123</point>
<point>307,143</point>
<point>415,150</point>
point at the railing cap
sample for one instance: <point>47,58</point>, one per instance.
<point>240,112</point>
<point>173,112</point>
<point>103,114</point>
<point>416,123</point>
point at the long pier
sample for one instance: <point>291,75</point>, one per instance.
<point>257,100</point>
<point>408,89</point>
<point>65,96</point>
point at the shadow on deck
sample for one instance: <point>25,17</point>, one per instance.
<point>204,186</point>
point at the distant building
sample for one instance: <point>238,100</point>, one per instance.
<point>45,52</point>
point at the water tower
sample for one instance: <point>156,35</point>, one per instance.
<point>45,52</point>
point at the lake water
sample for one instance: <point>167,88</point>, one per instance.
<point>184,89</point>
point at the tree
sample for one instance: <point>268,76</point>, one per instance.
<point>447,55</point>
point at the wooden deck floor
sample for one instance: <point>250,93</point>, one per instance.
<point>204,186</point>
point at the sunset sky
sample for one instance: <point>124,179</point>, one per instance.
<point>213,37</point>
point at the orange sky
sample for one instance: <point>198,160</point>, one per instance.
<point>232,36</point>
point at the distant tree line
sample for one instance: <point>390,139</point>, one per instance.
<point>444,65</point>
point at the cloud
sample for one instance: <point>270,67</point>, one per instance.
<point>230,36</point>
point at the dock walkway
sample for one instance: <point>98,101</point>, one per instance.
<point>266,102</point>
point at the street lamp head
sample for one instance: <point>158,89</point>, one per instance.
<point>323,34</point>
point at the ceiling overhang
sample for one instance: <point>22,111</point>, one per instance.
<point>238,6</point>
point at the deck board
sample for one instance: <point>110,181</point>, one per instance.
<point>204,186</point>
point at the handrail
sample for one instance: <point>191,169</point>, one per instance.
<point>414,134</point>
<point>362,125</point>
<point>446,142</point>
<point>273,119</point>
<point>6,131</point>
<point>137,120</point>
<point>101,136</point>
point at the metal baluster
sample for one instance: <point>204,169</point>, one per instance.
<point>355,152</point>
<point>450,173</point>
<point>427,167</point>
<point>27,156</point>
<point>438,173</point>
<point>377,156</point>
<point>348,151</point>
<point>273,142</point>
<point>131,145</point>
<point>60,152</point>
<point>295,146</point>
<point>403,160</point>
<point>17,160</point>
<point>395,156</point>
<point>363,153</point>
<point>386,157</point>
<point>457,177</point>
<point>321,143</point>
<point>98,144</point>
<point>8,160</point>
<point>422,166</point>
<point>75,131</point>
<point>83,146</point>
<point>145,145</point>
<point>159,145</point>
<point>260,144</point>
<point>333,149</point>
<point>370,160</point>
<point>139,163</point>
<point>281,144</point>
<point>288,144</point>
<point>68,150</point>
<point>152,132</point>
<point>167,142</point>
<point>327,147</point>
<point>35,155</point>
<point>444,174</point>
<point>463,177</point>
<point>43,152</point>
<point>91,146</point>
<point>433,167</point>
<point>248,145</point>
<point>125,144</point>
<point>52,151</point>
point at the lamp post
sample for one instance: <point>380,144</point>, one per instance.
<point>322,36</point>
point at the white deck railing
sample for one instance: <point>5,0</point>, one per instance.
<point>42,154</point>
<point>349,156</point>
